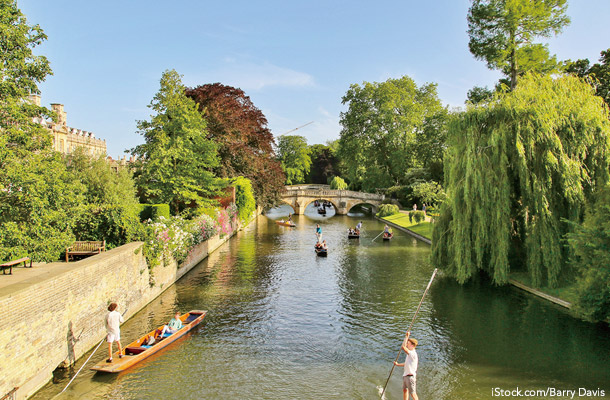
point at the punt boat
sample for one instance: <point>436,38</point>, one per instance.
<point>388,237</point>
<point>321,252</point>
<point>139,349</point>
<point>286,223</point>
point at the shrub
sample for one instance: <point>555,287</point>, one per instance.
<point>338,184</point>
<point>154,211</point>
<point>386,210</point>
<point>244,197</point>
<point>418,216</point>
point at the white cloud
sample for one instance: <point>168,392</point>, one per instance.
<point>251,76</point>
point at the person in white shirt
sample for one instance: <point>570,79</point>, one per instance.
<point>113,322</point>
<point>410,375</point>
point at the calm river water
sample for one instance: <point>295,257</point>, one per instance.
<point>285,324</point>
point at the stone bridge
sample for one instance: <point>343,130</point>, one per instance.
<point>300,196</point>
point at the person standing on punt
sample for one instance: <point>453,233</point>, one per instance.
<point>358,227</point>
<point>113,328</point>
<point>409,377</point>
<point>318,232</point>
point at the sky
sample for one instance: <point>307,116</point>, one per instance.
<point>295,60</point>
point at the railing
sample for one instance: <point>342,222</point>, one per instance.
<point>325,191</point>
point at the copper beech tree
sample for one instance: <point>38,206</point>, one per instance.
<point>245,143</point>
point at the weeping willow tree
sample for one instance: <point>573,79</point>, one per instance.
<point>517,168</point>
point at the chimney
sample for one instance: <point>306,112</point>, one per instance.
<point>59,110</point>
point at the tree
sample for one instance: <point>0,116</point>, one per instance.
<point>390,127</point>
<point>175,164</point>
<point>502,33</point>
<point>337,183</point>
<point>245,143</point>
<point>478,95</point>
<point>38,198</point>
<point>590,244</point>
<point>244,197</point>
<point>515,169</point>
<point>110,211</point>
<point>599,73</point>
<point>324,164</point>
<point>293,153</point>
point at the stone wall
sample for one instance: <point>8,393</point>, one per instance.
<point>40,320</point>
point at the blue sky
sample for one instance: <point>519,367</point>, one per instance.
<point>294,59</point>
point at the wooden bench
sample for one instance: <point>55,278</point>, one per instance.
<point>86,248</point>
<point>10,264</point>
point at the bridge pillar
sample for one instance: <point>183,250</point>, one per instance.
<point>299,206</point>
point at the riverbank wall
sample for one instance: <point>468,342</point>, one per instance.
<point>511,282</point>
<point>56,316</point>
<point>410,232</point>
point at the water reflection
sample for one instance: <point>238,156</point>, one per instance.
<point>283,323</point>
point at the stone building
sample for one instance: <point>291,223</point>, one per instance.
<point>67,139</point>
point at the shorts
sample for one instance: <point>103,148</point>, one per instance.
<point>113,337</point>
<point>408,383</point>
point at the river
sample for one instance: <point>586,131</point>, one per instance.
<point>285,324</point>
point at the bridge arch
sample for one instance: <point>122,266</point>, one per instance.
<point>300,196</point>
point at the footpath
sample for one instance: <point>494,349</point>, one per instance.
<point>423,232</point>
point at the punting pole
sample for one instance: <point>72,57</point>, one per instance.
<point>376,237</point>
<point>85,363</point>
<point>408,330</point>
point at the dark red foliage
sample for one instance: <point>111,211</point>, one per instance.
<point>246,143</point>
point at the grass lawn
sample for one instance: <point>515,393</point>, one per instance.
<point>565,292</point>
<point>400,219</point>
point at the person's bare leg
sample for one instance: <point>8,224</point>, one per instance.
<point>405,394</point>
<point>121,350</point>
<point>110,350</point>
<point>414,395</point>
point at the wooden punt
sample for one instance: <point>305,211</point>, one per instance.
<point>353,236</point>
<point>321,252</point>
<point>286,223</point>
<point>137,350</point>
<point>388,237</point>
<point>322,211</point>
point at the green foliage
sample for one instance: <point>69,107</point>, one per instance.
<point>386,210</point>
<point>39,204</point>
<point>244,197</point>
<point>502,33</point>
<point>428,192</point>
<point>110,211</point>
<point>294,154</point>
<point>389,128</point>
<point>515,168</point>
<point>418,216</point>
<point>478,95</point>
<point>590,245</point>
<point>175,162</point>
<point>598,73</point>
<point>154,211</point>
<point>337,183</point>
<point>324,163</point>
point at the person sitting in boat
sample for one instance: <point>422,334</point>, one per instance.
<point>324,246</point>
<point>174,325</point>
<point>350,231</point>
<point>318,245</point>
<point>387,231</point>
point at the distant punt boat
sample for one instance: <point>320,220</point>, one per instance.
<point>286,223</point>
<point>138,350</point>
<point>388,237</point>
<point>321,252</point>
<point>353,236</point>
